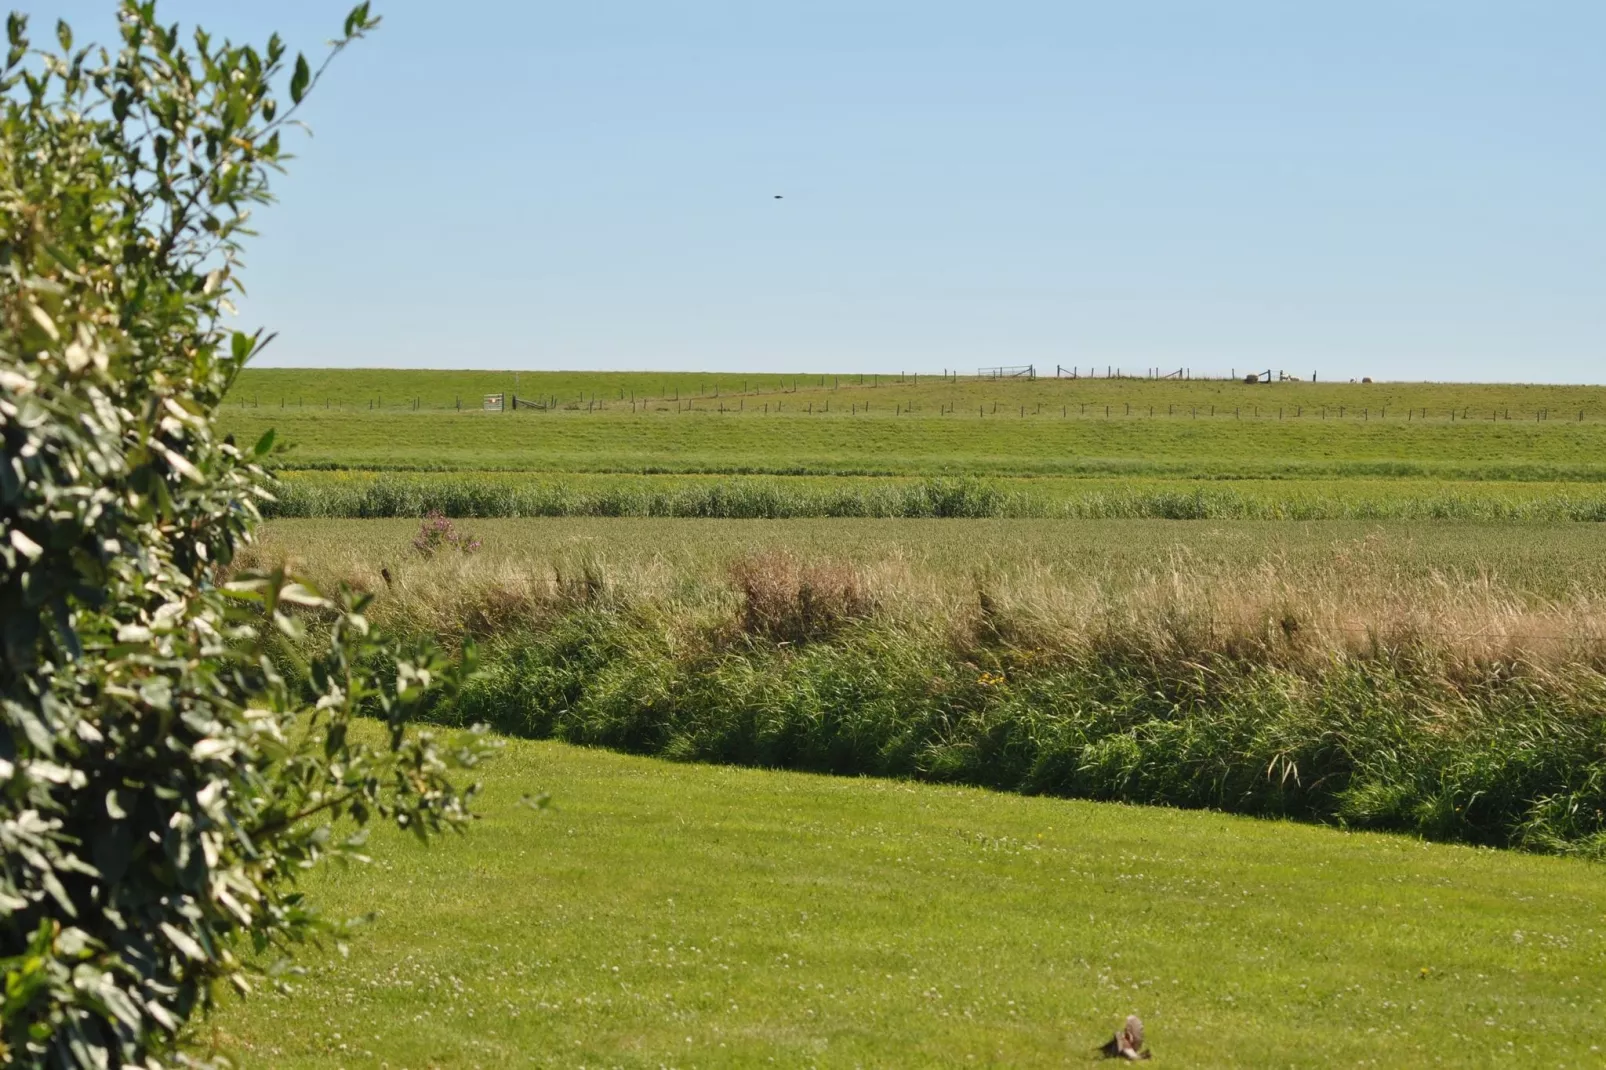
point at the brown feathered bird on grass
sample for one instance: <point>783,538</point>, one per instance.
<point>1128,1043</point>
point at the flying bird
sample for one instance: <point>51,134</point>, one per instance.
<point>777,196</point>
<point>1128,1043</point>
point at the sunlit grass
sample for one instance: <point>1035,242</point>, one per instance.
<point>390,389</point>
<point>1048,427</point>
<point>691,916</point>
<point>883,444</point>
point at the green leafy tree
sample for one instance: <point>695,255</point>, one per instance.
<point>171,754</point>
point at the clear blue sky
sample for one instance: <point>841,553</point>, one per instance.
<point>1396,188</point>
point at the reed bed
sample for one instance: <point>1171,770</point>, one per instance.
<point>1355,690</point>
<point>776,498</point>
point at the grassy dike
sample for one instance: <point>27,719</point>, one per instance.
<point>684,915</point>
<point>835,426</point>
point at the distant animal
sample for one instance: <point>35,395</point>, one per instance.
<point>777,196</point>
<point>384,574</point>
<point>1128,1043</point>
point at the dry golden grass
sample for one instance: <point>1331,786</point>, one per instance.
<point>1358,598</point>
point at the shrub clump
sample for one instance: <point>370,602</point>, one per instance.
<point>437,534</point>
<point>788,601</point>
<point>174,749</point>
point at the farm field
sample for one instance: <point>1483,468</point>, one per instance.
<point>685,915</point>
<point>355,389</point>
<point>1044,428</point>
<point>778,447</point>
<point>884,444</point>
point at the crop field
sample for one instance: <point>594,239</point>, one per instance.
<point>683,915</point>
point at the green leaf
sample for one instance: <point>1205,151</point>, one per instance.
<point>264,444</point>
<point>299,80</point>
<point>183,941</point>
<point>64,35</point>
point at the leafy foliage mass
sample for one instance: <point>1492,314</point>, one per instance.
<point>168,759</point>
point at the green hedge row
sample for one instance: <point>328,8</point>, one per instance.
<point>1511,758</point>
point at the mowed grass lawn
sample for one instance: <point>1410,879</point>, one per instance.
<point>678,915</point>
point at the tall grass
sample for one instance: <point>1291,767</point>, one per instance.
<point>738,499</point>
<point>776,499</point>
<point>1442,705</point>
